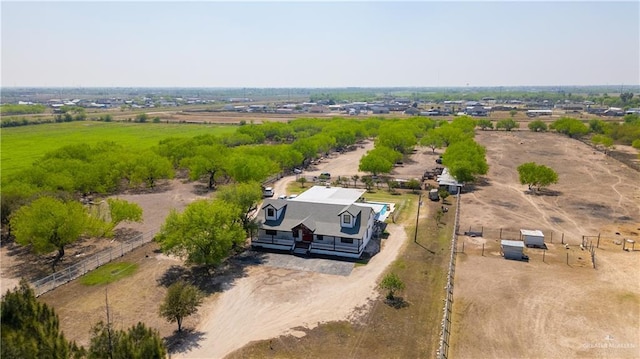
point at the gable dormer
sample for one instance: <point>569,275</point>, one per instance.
<point>348,216</point>
<point>273,212</point>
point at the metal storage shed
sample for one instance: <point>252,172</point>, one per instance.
<point>532,238</point>
<point>512,249</point>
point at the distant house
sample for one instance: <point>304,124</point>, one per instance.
<point>412,111</point>
<point>477,110</point>
<point>323,220</point>
<point>631,111</point>
<point>379,109</point>
<point>614,111</point>
<point>536,113</point>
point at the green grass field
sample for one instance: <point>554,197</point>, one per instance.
<point>109,273</point>
<point>21,146</point>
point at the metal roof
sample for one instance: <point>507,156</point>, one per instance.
<point>330,195</point>
<point>531,232</point>
<point>508,243</point>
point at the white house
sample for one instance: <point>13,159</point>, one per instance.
<point>322,220</point>
<point>532,238</point>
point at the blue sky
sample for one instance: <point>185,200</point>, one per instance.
<point>320,44</point>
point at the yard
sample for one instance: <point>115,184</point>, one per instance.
<point>562,307</point>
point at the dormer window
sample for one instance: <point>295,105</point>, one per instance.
<point>271,213</point>
<point>346,218</point>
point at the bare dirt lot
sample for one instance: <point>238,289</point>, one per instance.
<point>559,308</point>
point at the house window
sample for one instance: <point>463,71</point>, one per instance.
<point>320,237</point>
<point>346,240</point>
<point>271,232</point>
<point>346,218</point>
<point>270,212</point>
<point>295,233</point>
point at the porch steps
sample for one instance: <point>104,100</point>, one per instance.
<point>301,248</point>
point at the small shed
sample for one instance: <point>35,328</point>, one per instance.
<point>532,238</point>
<point>512,249</point>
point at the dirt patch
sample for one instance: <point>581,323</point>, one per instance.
<point>562,307</point>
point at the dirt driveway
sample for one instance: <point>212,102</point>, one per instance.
<point>562,307</point>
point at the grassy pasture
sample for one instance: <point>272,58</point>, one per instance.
<point>109,273</point>
<point>21,146</point>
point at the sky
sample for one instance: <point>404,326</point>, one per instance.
<point>319,44</point>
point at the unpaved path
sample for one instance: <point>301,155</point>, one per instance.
<point>270,302</point>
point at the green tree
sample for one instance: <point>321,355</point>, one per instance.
<point>302,180</point>
<point>465,159</point>
<point>603,141</point>
<point>485,124</point>
<point>414,185</point>
<point>30,329</point>
<point>508,124</point>
<point>48,224</point>
<point>143,117</point>
<point>597,126</point>
<point>535,175</point>
<point>398,137</point>
<point>375,164</point>
<point>537,126</point>
<point>432,139</point>
<point>245,196</point>
<point>138,342</point>
<point>392,284</point>
<point>355,179</point>
<point>148,167</point>
<point>570,127</point>
<point>513,113</point>
<point>208,160</point>
<point>120,211</point>
<point>205,233</point>
<point>181,301</point>
<point>444,194</point>
<point>626,96</point>
<point>248,167</point>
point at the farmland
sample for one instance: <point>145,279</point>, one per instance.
<point>22,145</point>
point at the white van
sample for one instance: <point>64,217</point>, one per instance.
<point>268,192</point>
<point>433,195</point>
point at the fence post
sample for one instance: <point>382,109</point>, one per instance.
<point>483,249</point>
<point>543,253</point>
<point>567,258</point>
<point>500,233</point>
<point>551,236</point>
<point>598,245</point>
<point>562,237</point>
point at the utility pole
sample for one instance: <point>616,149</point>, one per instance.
<point>415,237</point>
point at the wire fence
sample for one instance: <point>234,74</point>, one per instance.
<point>445,333</point>
<point>515,234</point>
<point>74,271</point>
